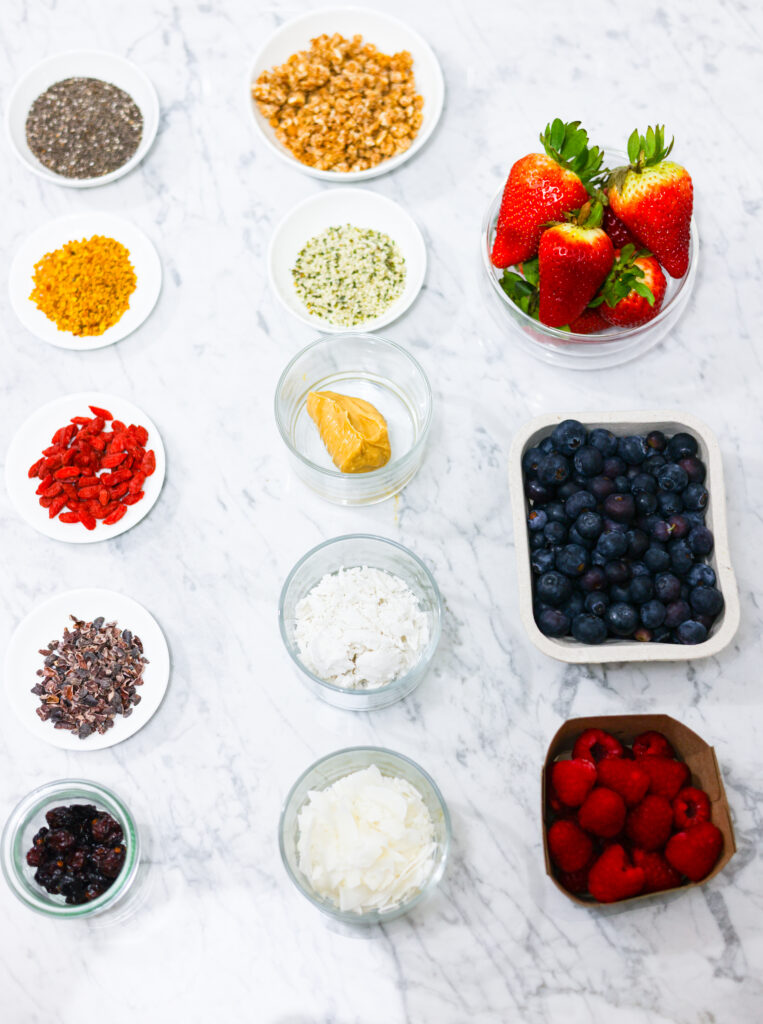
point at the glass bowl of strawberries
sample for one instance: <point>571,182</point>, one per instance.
<point>576,284</point>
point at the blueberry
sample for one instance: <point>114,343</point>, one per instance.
<point>617,571</point>
<point>681,446</point>
<point>568,436</point>
<point>667,587</point>
<point>594,579</point>
<point>613,467</point>
<point>568,488</point>
<point>555,533</point>
<point>618,592</point>
<point>553,469</point>
<point>701,540</point>
<point>620,507</point>
<point>553,622</point>
<point>676,613</point>
<point>639,569</point>
<point>643,482</point>
<point>597,603</point>
<point>672,478</point>
<point>576,504</point>
<point>696,517</point>
<point>604,440</point>
<point>679,526</point>
<point>621,618</point>
<point>646,503</point>
<point>610,526</point>
<point>600,487</point>
<point>654,463</point>
<point>656,441</point>
<point>632,449</point>
<point>588,460</point>
<point>660,531</point>
<point>694,469</point>
<point>641,588</point>
<point>536,520</point>
<point>612,545</point>
<point>574,606</point>
<point>700,575</point>
<point>696,496</point>
<point>575,537</point>
<point>537,541</point>
<point>553,588</point>
<point>588,524</point>
<point>638,542</point>
<point>622,484</point>
<point>669,503</point>
<point>705,620</point>
<point>538,492</point>
<point>542,561</point>
<point>643,635</point>
<point>572,560</point>
<point>632,472</point>
<point>706,600</point>
<point>530,461</point>
<point>555,512</point>
<point>656,558</point>
<point>589,629</point>
<point>691,632</point>
<point>681,557</point>
<point>662,635</point>
<point>546,445</point>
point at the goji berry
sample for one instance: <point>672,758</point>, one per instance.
<point>80,421</point>
<point>87,481</point>
<point>99,443</point>
<point>89,492</point>
<point>120,475</point>
<point>136,484</point>
<point>44,484</point>
<point>68,457</point>
<point>54,449</point>
<point>67,472</point>
<point>33,468</point>
<point>141,436</point>
<point>103,496</point>
<point>46,502</point>
<point>54,490</point>
<point>104,414</point>
<point>115,516</point>
<point>132,499</point>
<point>56,505</point>
<point>111,461</point>
<point>87,520</point>
<point>69,517</point>
<point>149,462</point>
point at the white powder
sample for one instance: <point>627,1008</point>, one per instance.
<point>367,842</point>
<point>360,628</point>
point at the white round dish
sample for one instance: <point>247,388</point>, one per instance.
<point>386,33</point>
<point>335,208</point>
<point>75,227</point>
<point>109,67</point>
<point>34,435</point>
<point>47,622</point>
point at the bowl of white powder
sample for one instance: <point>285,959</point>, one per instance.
<point>360,617</point>
<point>364,834</point>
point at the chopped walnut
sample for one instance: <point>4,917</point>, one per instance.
<point>342,106</point>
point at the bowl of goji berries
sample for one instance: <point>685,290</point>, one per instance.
<point>85,467</point>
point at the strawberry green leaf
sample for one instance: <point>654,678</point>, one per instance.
<point>531,271</point>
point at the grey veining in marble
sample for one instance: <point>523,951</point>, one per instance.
<point>221,934</point>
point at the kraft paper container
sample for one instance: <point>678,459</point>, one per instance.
<point>689,747</point>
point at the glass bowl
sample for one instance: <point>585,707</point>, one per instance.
<point>611,347</point>
<point>368,367</point>
<point>29,815</point>
<point>326,772</point>
<point>344,553</point>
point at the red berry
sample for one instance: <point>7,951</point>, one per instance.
<point>573,780</point>
<point>649,825</point>
<point>627,778</point>
<point>595,745</point>
<point>695,851</point>
<point>602,813</point>
<point>613,877</point>
<point>691,807</point>
<point>658,874</point>
<point>652,744</point>
<point>666,777</point>
<point>568,846</point>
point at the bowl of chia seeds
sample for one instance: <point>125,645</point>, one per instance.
<point>82,118</point>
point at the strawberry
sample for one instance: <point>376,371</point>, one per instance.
<point>613,877</point>
<point>658,874</point>
<point>653,197</point>
<point>542,187</point>
<point>574,259</point>
<point>625,778</point>
<point>694,851</point>
<point>595,744</point>
<point>602,812</point>
<point>568,846</point>
<point>652,744</point>
<point>634,289</point>
<point>589,322</point>
<point>573,780</point>
<point>616,230</point>
<point>650,823</point>
<point>691,807</point>
<point>666,776</point>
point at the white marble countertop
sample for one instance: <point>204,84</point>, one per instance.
<point>222,934</point>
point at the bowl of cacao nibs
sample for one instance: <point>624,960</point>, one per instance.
<point>621,539</point>
<point>70,848</point>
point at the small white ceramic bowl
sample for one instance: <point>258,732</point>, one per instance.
<point>612,650</point>
<point>109,67</point>
<point>335,208</point>
<point>386,33</point>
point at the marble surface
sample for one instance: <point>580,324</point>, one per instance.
<point>219,932</point>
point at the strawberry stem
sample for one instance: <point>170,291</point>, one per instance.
<point>567,144</point>
<point>648,149</point>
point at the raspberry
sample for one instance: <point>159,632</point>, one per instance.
<point>595,745</point>
<point>695,851</point>
<point>649,825</point>
<point>603,812</point>
<point>666,777</point>
<point>625,777</point>
<point>568,846</point>
<point>652,744</point>
<point>613,877</point>
<point>573,780</point>
<point>691,807</point>
<point>658,874</point>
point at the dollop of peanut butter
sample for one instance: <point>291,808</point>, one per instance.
<point>353,430</point>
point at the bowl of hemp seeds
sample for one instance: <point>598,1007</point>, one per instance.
<point>82,118</point>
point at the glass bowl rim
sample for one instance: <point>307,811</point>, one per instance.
<point>337,474</point>
<point>584,341</point>
<point>371,916</point>
<point>434,639</point>
<point>43,794</point>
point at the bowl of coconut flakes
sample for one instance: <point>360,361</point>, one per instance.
<point>360,617</point>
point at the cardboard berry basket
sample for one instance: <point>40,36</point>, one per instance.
<point>614,650</point>
<point>689,747</point>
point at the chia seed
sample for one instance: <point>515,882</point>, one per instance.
<point>84,128</point>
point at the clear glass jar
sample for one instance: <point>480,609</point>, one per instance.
<point>611,347</point>
<point>363,366</point>
<point>378,553</point>
<point>326,772</point>
<point>29,815</point>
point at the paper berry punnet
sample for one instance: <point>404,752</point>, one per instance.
<point>92,472</point>
<point>701,762</point>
